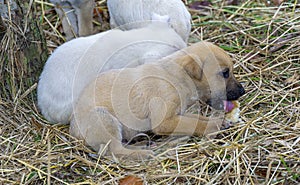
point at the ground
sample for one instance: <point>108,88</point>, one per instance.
<point>263,38</point>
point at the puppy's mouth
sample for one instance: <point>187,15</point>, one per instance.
<point>225,105</point>
<point>228,105</point>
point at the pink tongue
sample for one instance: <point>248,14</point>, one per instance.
<point>228,106</point>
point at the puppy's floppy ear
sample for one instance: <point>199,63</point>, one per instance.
<point>193,66</point>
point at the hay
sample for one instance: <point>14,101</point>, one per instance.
<point>263,149</point>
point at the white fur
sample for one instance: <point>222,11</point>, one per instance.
<point>75,63</point>
<point>123,12</point>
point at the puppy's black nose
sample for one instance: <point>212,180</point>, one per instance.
<point>241,90</point>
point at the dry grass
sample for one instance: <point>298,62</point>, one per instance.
<point>263,149</point>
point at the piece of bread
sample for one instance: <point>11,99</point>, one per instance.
<point>232,113</point>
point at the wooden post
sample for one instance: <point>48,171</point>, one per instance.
<point>23,51</point>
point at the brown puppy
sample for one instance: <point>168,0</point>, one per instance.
<point>121,103</point>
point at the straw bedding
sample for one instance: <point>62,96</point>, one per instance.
<point>264,148</point>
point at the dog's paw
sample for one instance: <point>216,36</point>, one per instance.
<point>213,126</point>
<point>226,124</point>
<point>141,154</point>
<point>135,154</point>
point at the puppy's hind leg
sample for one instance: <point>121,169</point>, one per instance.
<point>114,128</point>
<point>97,127</point>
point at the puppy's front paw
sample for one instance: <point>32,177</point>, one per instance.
<point>141,154</point>
<point>213,126</point>
<point>137,154</point>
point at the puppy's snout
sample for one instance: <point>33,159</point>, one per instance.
<point>241,90</point>
<point>236,92</point>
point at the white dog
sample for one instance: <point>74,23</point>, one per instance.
<point>128,14</point>
<point>74,64</point>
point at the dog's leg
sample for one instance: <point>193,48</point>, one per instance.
<point>76,16</point>
<point>84,11</point>
<point>97,127</point>
<point>112,22</point>
<point>68,18</point>
<point>165,121</point>
<point>186,125</point>
<point>114,129</point>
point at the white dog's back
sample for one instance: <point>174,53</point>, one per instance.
<point>131,14</point>
<point>77,62</point>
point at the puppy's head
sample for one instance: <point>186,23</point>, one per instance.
<point>211,69</point>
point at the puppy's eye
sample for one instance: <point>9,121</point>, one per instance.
<point>225,73</point>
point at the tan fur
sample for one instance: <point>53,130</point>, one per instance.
<point>121,103</point>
